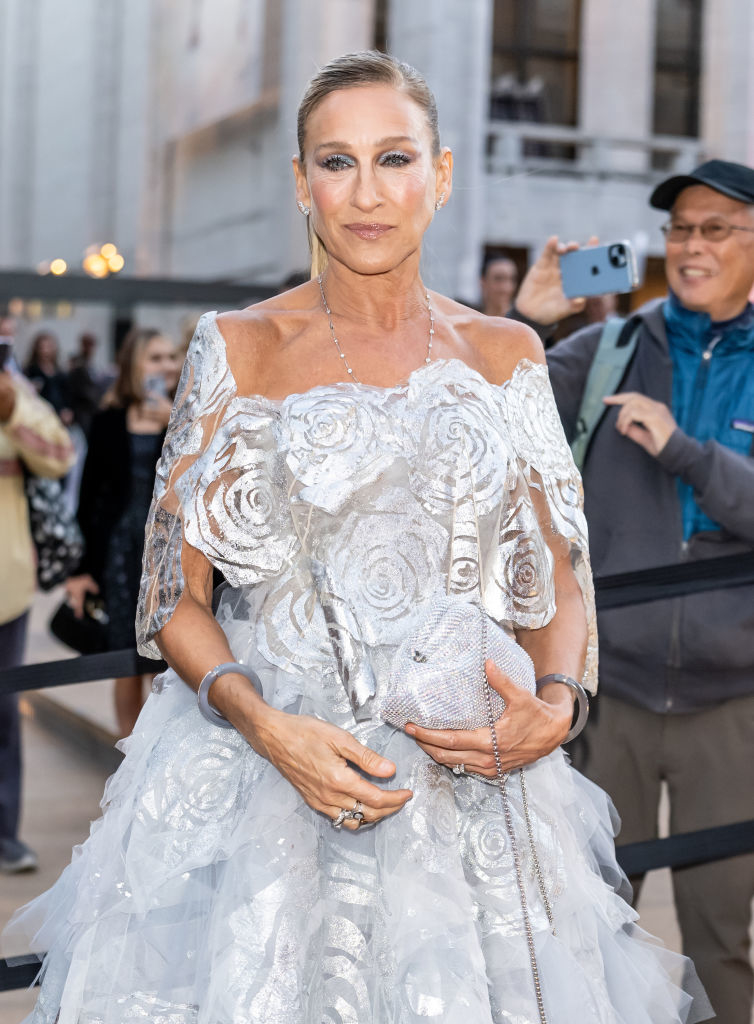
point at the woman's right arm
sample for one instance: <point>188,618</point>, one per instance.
<point>176,601</point>
<point>311,754</point>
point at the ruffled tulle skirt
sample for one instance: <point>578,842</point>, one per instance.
<point>209,893</point>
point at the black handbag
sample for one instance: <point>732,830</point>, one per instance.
<point>54,530</point>
<point>87,635</point>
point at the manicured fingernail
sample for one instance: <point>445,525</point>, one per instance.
<point>410,730</point>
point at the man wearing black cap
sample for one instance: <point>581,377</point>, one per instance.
<point>669,477</point>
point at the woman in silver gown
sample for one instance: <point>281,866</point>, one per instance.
<point>345,453</point>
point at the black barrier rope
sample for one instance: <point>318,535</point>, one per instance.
<point>687,849</point>
<point>615,591</point>
<point>684,850</point>
<point>84,669</point>
<point>677,580</point>
<point>19,971</point>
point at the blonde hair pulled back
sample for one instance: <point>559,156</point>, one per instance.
<point>366,67</point>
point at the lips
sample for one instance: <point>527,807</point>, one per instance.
<point>694,273</point>
<point>369,230</point>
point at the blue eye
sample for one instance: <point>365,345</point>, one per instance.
<point>395,159</point>
<point>337,162</point>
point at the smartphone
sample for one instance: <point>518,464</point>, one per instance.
<point>155,387</point>
<point>599,269</point>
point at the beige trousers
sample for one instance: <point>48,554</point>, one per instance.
<point>707,761</point>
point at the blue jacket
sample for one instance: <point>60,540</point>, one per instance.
<point>694,651</point>
<point>713,383</point>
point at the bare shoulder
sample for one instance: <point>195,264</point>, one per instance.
<point>256,336</point>
<point>496,345</point>
<point>502,344</point>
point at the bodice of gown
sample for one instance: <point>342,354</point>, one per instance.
<point>335,515</point>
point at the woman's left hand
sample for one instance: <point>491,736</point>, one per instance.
<point>529,729</point>
<point>76,589</point>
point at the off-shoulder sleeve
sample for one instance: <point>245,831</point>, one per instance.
<point>544,515</point>
<point>205,390</point>
<point>220,487</point>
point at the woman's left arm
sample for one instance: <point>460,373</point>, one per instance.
<point>530,727</point>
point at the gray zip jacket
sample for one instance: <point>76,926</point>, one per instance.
<point>687,653</point>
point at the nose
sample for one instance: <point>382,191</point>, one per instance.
<point>366,195</point>
<point>695,242</point>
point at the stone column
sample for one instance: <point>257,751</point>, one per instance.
<point>616,75</point>
<point>727,116</point>
<point>20,116</point>
<point>450,43</point>
<point>311,34</point>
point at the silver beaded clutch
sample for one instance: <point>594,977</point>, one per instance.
<point>437,675</point>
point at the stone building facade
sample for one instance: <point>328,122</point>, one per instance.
<point>167,126</point>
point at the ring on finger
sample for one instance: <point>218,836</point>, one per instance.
<point>337,822</point>
<point>357,814</point>
<point>459,769</point>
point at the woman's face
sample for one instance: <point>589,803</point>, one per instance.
<point>159,360</point>
<point>47,348</point>
<point>370,177</point>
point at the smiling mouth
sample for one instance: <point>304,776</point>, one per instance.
<point>695,273</point>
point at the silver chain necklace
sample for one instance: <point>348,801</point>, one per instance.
<point>342,354</point>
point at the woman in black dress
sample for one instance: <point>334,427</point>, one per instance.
<point>43,370</point>
<point>116,489</point>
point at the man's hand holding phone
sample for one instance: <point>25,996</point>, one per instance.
<point>541,297</point>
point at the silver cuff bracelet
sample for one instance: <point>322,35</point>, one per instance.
<point>581,711</point>
<point>208,711</point>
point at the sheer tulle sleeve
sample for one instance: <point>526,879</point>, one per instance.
<point>218,487</point>
<point>548,493</point>
<point>205,391</point>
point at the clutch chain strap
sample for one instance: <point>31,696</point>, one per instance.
<point>502,777</point>
<point>532,846</point>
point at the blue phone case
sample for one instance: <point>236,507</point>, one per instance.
<point>598,270</point>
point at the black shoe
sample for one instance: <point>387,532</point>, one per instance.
<point>16,856</point>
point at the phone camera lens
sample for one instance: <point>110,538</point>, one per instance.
<point>617,255</point>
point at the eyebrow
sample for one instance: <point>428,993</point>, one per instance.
<point>390,140</point>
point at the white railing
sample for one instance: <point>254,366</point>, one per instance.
<point>515,146</point>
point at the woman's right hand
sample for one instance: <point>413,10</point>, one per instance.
<point>76,589</point>
<point>311,754</point>
<point>314,757</point>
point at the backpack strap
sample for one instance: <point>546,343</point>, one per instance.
<point>614,351</point>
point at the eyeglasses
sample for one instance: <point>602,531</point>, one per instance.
<point>710,230</point>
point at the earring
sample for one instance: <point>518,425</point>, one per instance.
<point>304,209</point>
<point>440,201</point>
